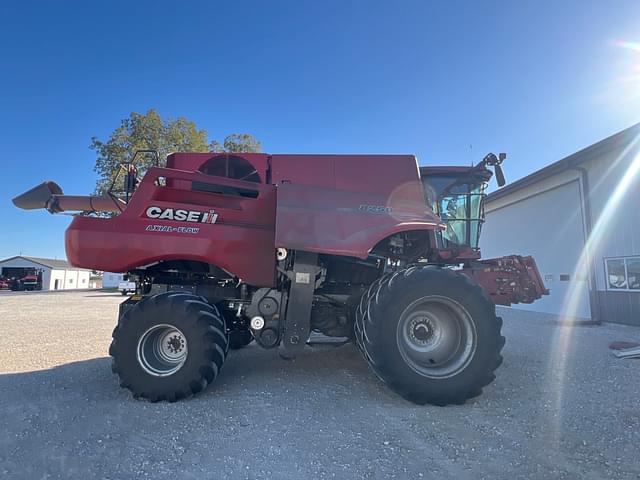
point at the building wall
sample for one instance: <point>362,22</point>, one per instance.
<point>546,219</point>
<point>620,223</point>
<point>46,279</point>
<point>67,279</point>
<point>83,279</point>
<point>70,279</point>
<point>58,275</point>
<point>22,263</point>
<point>111,280</point>
<point>615,204</point>
<point>546,222</point>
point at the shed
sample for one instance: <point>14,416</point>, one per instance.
<point>52,274</point>
<point>580,218</point>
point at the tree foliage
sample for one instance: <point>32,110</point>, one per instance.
<point>238,143</point>
<point>150,131</point>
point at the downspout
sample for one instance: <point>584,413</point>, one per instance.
<point>594,301</point>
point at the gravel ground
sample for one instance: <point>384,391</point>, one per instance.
<point>562,407</point>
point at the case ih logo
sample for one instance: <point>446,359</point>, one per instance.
<point>180,215</point>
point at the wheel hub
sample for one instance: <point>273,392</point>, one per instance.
<point>162,350</point>
<point>175,344</point>
<point>421,331</point>
<point>436,336</point>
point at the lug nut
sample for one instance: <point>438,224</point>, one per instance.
<point>257,323</point>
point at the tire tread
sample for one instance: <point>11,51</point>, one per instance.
<point>190,308</point>
<point>368,317</point>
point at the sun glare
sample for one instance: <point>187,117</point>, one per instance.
<point>623,87</point>
<point>629,45</point>
<point>562,340</point>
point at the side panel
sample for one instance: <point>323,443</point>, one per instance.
<point>241,241</point>
<point>344,205</point>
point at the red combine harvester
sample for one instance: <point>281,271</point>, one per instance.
<point>231,248</point>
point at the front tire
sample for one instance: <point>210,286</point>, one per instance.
<point>431,334</point>
<point>169,346</point>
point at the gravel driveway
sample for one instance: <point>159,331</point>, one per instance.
<point>562,407</point>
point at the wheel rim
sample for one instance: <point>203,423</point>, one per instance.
<point>162,350</point>
<point>436,337</point>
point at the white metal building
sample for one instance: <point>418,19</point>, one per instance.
<point>580,219</point>
<point>111,280</point>
<point>54,274</point>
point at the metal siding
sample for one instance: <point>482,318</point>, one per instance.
<point>46,279</point>
<point>57,275</point>
<point>111,280</point>
<point>620,307</point>
<point>550,227</point>
<point>20,262</point>
<point>620,224</point>
<point>617,227</point>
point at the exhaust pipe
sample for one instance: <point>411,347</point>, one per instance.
<point>49,195</point>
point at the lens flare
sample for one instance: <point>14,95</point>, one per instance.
<point>621,90</point>
<point>625,44</point>
<point>562,339</point>
<point>633,75</point>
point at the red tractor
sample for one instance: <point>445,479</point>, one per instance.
<point>231,248</point>
<point>29,283</point>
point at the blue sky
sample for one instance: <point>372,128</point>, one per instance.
<point>447,81</point>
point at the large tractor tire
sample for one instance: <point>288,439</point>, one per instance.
<point>169,346</point>
<point>431,334</point>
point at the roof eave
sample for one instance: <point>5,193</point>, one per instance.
<point>572,161</point>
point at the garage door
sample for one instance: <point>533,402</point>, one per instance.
<point>548,226</point>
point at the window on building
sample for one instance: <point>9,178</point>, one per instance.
<point>633,273</point>
<point>71,280</point>
<point>623,273</point>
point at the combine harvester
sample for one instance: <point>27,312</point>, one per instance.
<point>226,249</point>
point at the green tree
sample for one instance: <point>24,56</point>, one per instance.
<point>144,132</point>
<point>237,142</point>
<point>150,131</point>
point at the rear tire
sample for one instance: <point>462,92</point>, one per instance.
<point>169,346</point>
<point>431,334</point>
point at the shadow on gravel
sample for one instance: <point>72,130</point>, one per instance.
<point>74,421</point>
<point>248,371</point>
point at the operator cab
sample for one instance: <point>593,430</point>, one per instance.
<point>455,194</point>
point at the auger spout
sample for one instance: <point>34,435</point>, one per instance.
<point>49,195</point>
